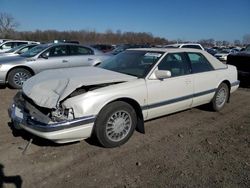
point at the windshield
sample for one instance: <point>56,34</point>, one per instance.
<point>132,62</point>
<point>224,51</point>
<point>247,48</point>
<point>15,48</point>
<point>34,51</point>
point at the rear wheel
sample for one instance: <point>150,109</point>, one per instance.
<point>17,77</point>
<point>115,124</point>
<point>220,97</point>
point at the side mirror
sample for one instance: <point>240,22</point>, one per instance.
<point>45,55</point>
<point>162,74</point>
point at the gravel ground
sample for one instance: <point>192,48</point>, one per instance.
<point>193,148</point>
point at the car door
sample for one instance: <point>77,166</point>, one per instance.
<point>205,78</point>
<point>80,56</point>
<point>174,93</point>
<point>53,58</point>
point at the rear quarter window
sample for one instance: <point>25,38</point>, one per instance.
<point>199,63</point>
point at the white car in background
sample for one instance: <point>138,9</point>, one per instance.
<point>186,45</point>
<point>111,100</point>
<point>9,44</point>
<point>17,50</point>
<point>223,53</point>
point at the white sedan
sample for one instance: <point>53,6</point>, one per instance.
<point>112,100</point>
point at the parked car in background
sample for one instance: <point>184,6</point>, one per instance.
<point>3,40</point>
<point>223,53</point>
<point>103,47</point>
<point>9,44</point>
<point>242,61</point>
<point>66,41</point>
<point>16,70</point>
<point>17,50</point>
<point>122,47</point>
<point>112,100</point>
<point>185,45</point>
<point>211,51</point>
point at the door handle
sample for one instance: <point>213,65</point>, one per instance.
<point>64,61</point>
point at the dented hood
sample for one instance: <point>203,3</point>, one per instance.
<point>49,87</point>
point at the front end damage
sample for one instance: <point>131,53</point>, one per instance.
<point>59,104</point>
<point>58,125</point>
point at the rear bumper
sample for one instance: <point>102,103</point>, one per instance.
<point>62,132</point>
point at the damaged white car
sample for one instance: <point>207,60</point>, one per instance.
<point>114,99</point>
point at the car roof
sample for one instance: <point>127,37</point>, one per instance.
<point>96,51</point>
<point>167,49</point>
<point>59,44</point>
<point>18,41</point>
<point>214,62</point>
<point>179,44</point>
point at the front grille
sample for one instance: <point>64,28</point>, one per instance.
<point>43,110</point>
<point>32,110</point>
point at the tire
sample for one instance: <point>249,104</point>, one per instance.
<point>220,98</point>
<point>17,76</point>
<point>115,124</point>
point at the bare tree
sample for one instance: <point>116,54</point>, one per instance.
<point>218,43</point>
<point>237,43</point>
<point>246,39</point>
<point>207,42</point>
<point>225,43</point>
<point>7,24</point>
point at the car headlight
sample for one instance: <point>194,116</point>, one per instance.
<point>61,114</point>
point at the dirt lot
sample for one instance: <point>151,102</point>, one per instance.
<point>194,148</point>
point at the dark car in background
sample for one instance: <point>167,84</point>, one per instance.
<point>103,47</point>
<point>242,61</point>
<point>122,47</point>
<point>211,51</point>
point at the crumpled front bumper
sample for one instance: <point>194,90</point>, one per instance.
<point>59,132</point>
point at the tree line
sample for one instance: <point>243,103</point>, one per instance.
<point>88,37</point>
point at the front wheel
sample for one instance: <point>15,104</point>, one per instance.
<point>220,97</point>
<point>17,77</point>
<point>115,124</point>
